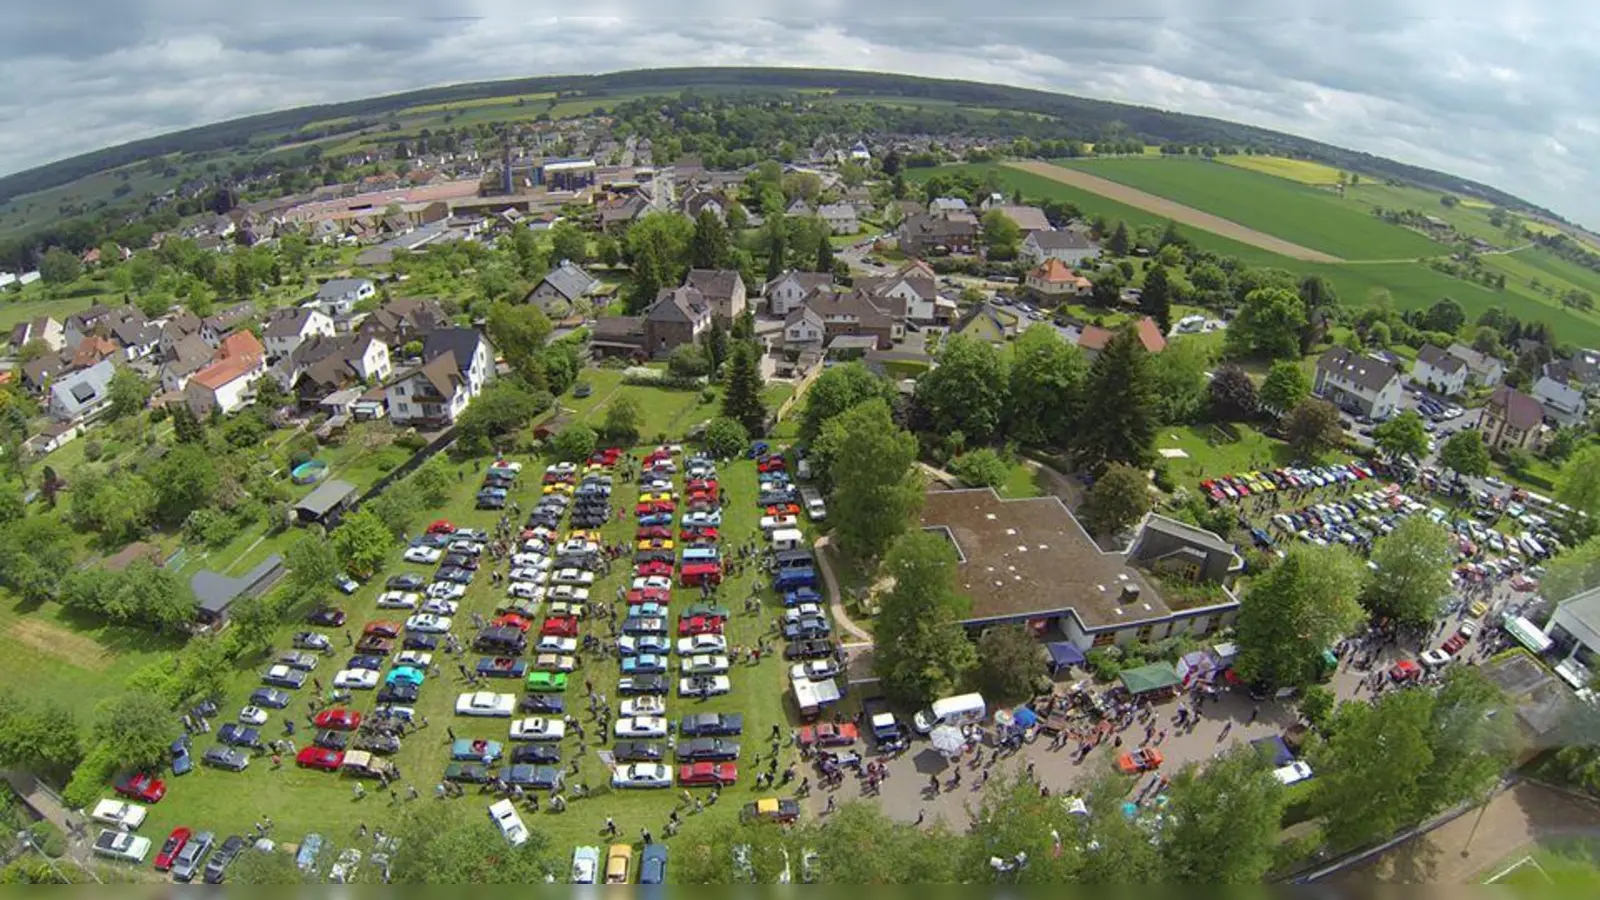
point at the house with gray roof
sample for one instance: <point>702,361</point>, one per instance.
<point>723,288</point>
<point>840,217</point>
<point>559,293</point>
<point>1562,404</point>
<point>1363,385</point>
<point>215,593</point>
<point>1485,369</point>
<point>288,328</point>
<point>1438,371</point>
<point>83,394</point>
<point>1511,420</point>
<point>1071,246</point>
<point>324,504</point>
<point>338,297</point>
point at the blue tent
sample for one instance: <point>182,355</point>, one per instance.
<point>1062,655</point>
<point>1024,717</point>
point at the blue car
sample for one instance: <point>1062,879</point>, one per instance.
<point>653,864</point>
<point>649,608</point>
<point>656,519</point>
<point>182,762</point>
<point>475,749</point>
<point>644,664</point>
<point>405,673</point>
<point>310,847</point>
<point>801,595</point>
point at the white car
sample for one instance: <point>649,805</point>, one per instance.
<point>1469,627</point>
<point>803,611</point>
<point>704,686</point>
<point>119,813</point>
<point>561,468</point>
<point>569,593</point>
<point>398,600</point>
<point>554,662</point>
<point>653,582</point>
<point>703,643</point>
<point>486,703</point>
<point>423,555</point>
<point>427,623</point>
<point>122,845</point>
<point>538,728</point>
<point>356,679</point>
<point>470,548</point>
<point>573,576</point>
<point>774,523</point>
<point>648,705</point>
<point>446,590</point>
<point>585,865</point>
<point>526,575</point>
<point>1435,658</point>
<point>535,546</point>
<point>577,547</point>
<point>252,715</point>
<point>551,644</point>
<point>437,607</point>
<point>414,658</point>
<point>504,815</point>
<point>344,868</point>
<point>530,561</point>
<point>705,664</point>
<point>525,590</point>
<point>641,775</point>
<point>1293,773</point>
<point>640,727</point>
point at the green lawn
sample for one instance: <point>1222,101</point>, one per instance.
<point>1022,482</point>
<point>1214,451</point>
<point>32,302</point>
<point>1309,216</point>
<point>1568,865</point>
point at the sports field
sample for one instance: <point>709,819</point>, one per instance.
<point>1294,213</point>
<point>1302,170</point>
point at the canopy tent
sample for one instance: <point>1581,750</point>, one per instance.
<point>1197,666</point>
<point>1279,751</point>
<point>1528,634</point>
<point>1025,717</point>
<point>1062,655</point>
<point>1150,679</point>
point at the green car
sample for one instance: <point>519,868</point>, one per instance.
<point>547,681</point>
<point>701,608</point>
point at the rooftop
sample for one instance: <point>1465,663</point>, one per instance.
<point>215,592</point>
<point>326,497</point>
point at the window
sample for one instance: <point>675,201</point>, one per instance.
<point>1104,639</point>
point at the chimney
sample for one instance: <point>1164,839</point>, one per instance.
<point>1130,595</point>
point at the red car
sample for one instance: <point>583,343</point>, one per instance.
<point>701,484</point>
<point>1405,670</point>
<point>698,534</point>
<point>649,595</point>
<point>320,758</point>
<point>560,626</point>
<point>653,533</point>
<point>512,620</point>
<point>141,786</point>
<point>383,629</point>
<point>829,735</point>
<point>694,625</point>
<point>442,526</point>
<point>771,464</point>
<point>785,509</point>
<point>170,850</point>
<point>1453,644</point>
<point>338,719</point>
<point>716,774</point>
<point>653,567</point>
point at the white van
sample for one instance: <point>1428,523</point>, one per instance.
<point>962,709</point>
<point>504,815</point>
<point>788,539</point>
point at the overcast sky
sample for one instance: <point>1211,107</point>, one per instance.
<point>1501,94</point>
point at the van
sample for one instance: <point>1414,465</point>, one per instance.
<point>787,539</point>
<point>792,579</point>
<point>504,815</point>
<point>963,709</point>
<point>794,559</point>
<point>802,470</point>
<point>697,574</point>
<point>694,555</point>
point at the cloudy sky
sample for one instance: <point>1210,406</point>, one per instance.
<point>1500,92</point>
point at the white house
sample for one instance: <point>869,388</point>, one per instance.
<point>432,396</point>
<point>1439,372</point>
<point>840,217</point>
<point>789,290</point>
<point>1562,404</point>
<point>339,296</point>
<point>227,384</point>
<point>803,327</point>
<point>1360,384</point>
<point>1070,246</point>
<point>79,395</point>
<point>1482,368</point>
<point>474,357</point>
<point>290,327</point>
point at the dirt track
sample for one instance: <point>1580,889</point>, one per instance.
<point>1167,209</point>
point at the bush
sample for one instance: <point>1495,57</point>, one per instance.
<point>1105,663</point>
<point>93,450</point>
<point>411,440</point>
<point>1163,479</point>
<point>48,839</point>
<point>981,468</point>
<point>211,527</point>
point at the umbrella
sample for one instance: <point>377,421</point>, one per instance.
<point>1002,717</point>
<point>948,740</point>
<point>1075,806</point>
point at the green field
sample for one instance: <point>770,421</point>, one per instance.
<point>1305,215</point>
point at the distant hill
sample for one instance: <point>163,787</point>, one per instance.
<point>1093,117</point>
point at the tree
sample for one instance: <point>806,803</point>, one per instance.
<point>687,362</point>
<point>1403,435</point>
<point>1578,484</point>
<point>726,437</point>
<point>1413,572</point>
<point>59,267</point>
<point>1155,298</point>
<point>1223,820</point>
<point>965,392</point>
<point>1369,768</point>
<point>1045,388</point>
<point>658,251</point>
<point>34,554</point>
<point>1119,407</point>
<point>362,542</point>
<point>519,331</point>
<point>922,651</point>
<point>569,243</point>
<point>1268,325</point>
<point>503,407</point>
<point>1474,738</point>
<point>1010,663</point>
<point>1313,427</point>
<point>41,737</point>
<point>836,390</point>
<point>186,427</point>
<point>1233,395</point>
<point>432,482</point>
<point>136,729</point>
<point>575,443</point>
<point>1001,236</point>
<point>1444,315</point>
<point>743,402</point>
<point>623,418</point>
<point>1295,611</point>
<point>186,479</point>
<point>398,507</point>
<point>1119,498</point>
<point>875,489</point>
<point>714,342</point>
<point>1465,454</point>
<point>1316,705</point>
<point>127,392</point>
<point>254,866</point>
<point>709,247</point>
<point>312,567</point>
<point>1285,386</point>
<point>439,846</point>
<point>1120,242</point>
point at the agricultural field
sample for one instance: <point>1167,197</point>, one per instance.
<point>1303,171</point>
<point>1472,221</point>
<point>1303,215</point>
<point>453,105</point>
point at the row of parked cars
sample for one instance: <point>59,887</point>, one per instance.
<point>1235,487</point>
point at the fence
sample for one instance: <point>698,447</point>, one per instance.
<point>443,440</point>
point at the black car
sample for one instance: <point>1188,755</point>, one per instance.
<point>370,663</point>
<point>498,480</point>
<point>217,868</point>
<point>454,574</point>
<point>810,649</point>
<point>460,561</point>
<point>490,500</point>
<point>645,556</point>
<point>236,735</point>
<point>226,758</point>
<point>193,854</point>
<point>536,754</point>
<point>470,773</point>
<point>638,751</point>
<point>541,778</point>
<point>710,724</point>
<point>399,692</point>
<point>544,704</point>
<point>326,616</point>
<point>382,744</point>
<point>332,740</point>
<point>643,684</point>
<point>542,518</point>
<point>407,582</point>
<point>416,640</point>
<point>707,749</point>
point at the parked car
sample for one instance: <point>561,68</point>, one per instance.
<point>585,865</point>
<point>193,855</point>
<point>217,868</point>
<point>641,775</point>
<point>226,758</point>
<point>171,848</point>
<point>486,703</point>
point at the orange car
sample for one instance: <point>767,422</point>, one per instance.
<point>1142,760</point>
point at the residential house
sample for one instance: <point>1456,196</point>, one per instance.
<point>859,153</point>
<point>178,326</point>
<point>39,328</point>
<point>939,206</point>
<point>80,325</point>
<point>698,201</point>
<point>1511,420</point>
<point>803,327</point>
<point>840,217</point>
<point>188,356</point>
<point>1071,246</point>
<point>911,293</point>
<point>1092,338</point>
<point>430,396</point>
<point>221,323</point>
<point>337,297</point>
<point>677,317</point>
<point>404,319</point>
<point>618,336</point>
<point>135,335</point>
<point>1562,404</point>
<point>288,328</point>
<point>1363,385</point>
<point>799,208</point>
<point>37,373</point>
<point>81,395</point>
<point>228,383</point>
<point>988,323</point>
<point>618,213</point>
<point>91,350</point>
<point>723,288</point>
<point>328,363</point>
<point>854,313</point>
<point>790,289</point>
<point>927,235</point>
<point>1439,372</point>
<point>474,356</point>
<point>1583,369</point>
<point>1028,219</point>
<point>561,289</point>
<point>1053,282</point>
<point>1483,369</point>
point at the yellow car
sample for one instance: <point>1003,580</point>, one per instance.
<point>1256,478</point>
<point>656,544</point>
<point>583,534</point>
<point>559,487</point>
<point>619,862</point>
<point>1478,609</point>
<point>657,497</point>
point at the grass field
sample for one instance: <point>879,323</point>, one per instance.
<point>32,302</point>
<point>1307,216</point>
<point>1561,865</point>
<point>452,105</point>
<point>1214,451</point>
<point>1302,170</point>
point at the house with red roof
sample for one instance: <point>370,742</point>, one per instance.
<point>1053,281</point>
<point>1094,338</point>
<point>228,382</point>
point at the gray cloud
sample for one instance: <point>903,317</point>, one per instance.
<point>1495,93</point>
